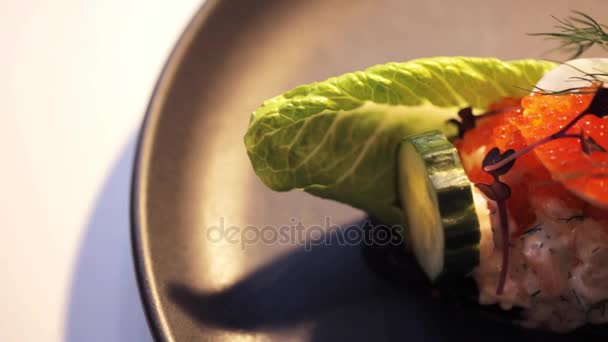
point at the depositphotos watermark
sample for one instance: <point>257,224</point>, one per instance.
<point>297,233</point>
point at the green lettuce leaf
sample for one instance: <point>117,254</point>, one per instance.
<point>338,138</point>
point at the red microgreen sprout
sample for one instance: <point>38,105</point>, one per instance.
<point>468,120</point>
<point>499,192</point>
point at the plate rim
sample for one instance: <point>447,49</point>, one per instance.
<point>147,287</point>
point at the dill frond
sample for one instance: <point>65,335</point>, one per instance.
<point>577,33</point>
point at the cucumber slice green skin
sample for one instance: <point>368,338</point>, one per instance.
<point>436,197</point>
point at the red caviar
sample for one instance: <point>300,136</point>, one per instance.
<point>554,170</point>
<point>582,174</point>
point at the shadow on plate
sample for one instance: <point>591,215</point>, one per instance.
<point>334,287</point>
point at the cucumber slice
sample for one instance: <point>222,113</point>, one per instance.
<point>437,200</point>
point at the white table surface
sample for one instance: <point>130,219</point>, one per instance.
<point>75,78</point>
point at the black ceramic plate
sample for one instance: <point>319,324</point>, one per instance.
<point>197,206</point>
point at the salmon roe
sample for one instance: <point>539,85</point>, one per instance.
<point>555,171</point>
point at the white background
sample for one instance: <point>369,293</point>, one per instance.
<point>75,78</point>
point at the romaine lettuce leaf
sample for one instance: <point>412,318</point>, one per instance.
<point>338,138</point>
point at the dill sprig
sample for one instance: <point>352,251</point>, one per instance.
<point>568,91</point>
<point>593,78</point>
<point>578,33</point>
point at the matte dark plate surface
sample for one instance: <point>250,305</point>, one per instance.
<point>204,281</point>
